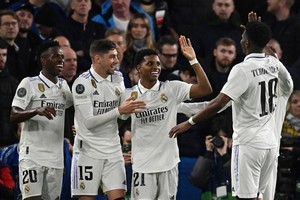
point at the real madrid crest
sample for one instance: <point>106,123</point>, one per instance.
<point>134,94</point>
<point>163,97</point>
<point>64,95</point>
<point>94,83</point>
<point>82,186</point>
<point>117,92</point>
<point>26,188</point>
<point>41,87</point>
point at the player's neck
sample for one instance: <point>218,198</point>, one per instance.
<point>148,84</point>
<point>52,78</point>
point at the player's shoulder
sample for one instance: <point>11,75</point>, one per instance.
<point>83,78</point>
<point>118,74</point>
<point>134,88</point>
<point>117,77</point>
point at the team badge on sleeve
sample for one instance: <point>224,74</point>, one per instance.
<point>79,89</point>
<point>163,97</point>
<point>94,83</point>
<point>134,94</point>
<point>21,92</point>
<point>41,87</point>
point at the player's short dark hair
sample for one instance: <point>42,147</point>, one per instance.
<point>101,46</point>
<point>139,57</point>
<point>258,33</point>
<point>43,48</point>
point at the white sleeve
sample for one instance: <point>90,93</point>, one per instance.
<point>23,94</point>
<point>91,121</point>
<point>285,81</point>
<point>193,108</point>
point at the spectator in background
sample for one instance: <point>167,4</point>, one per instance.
<point>69,73</point>
<point>118,37</point>
<point>27,40</point>
<point>212,171</point>
<point>9,29</point>
<point>126,150</point>
<point>291,125</point>
<point>37,4</point>
<point>285,28</point>
<point>223,22</point>
<point>81,31</point>
<point>10,156</point>
<point>274,45</point>
<point>62,40</point>
<point>289,157</point>
<point>8,86</point>
<point>185,15</point>
<point>138,36</point>
<point>159,11</point>
<point>117,13</point>
<point>218,66</point>
<point>46,19</point>
<point>167,47</point>
<point>7,183</point>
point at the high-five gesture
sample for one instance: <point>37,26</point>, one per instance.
<point>186,48</point>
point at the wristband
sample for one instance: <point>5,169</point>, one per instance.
<point>194,61</point>
<point>191,122</point>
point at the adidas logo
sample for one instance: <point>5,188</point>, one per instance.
<point>96,93</point>
<point>43,96</point>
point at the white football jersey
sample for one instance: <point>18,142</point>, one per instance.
<point>42,139</point>
<point>253,87</point>
<point>96,102</point>
<point>152,149</point>
<point>285,89</point>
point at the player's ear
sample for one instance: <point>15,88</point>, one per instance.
<point>138,67</point>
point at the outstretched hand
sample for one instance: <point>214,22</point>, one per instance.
<point>187,48</point>
<point>131,106</point>
<point>180,128</point>
<point>48,112</point>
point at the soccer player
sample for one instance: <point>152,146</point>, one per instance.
<point>253,87</point>
<point>97,156</point>
<point>154,156</point>
<point>40,103</point>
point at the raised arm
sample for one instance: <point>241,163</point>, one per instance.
<point>203,87</point>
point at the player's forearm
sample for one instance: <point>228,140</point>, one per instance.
<point>92,121</point>
<point>212,108</point>
<point>203,87</point>
<point>18,115</point>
